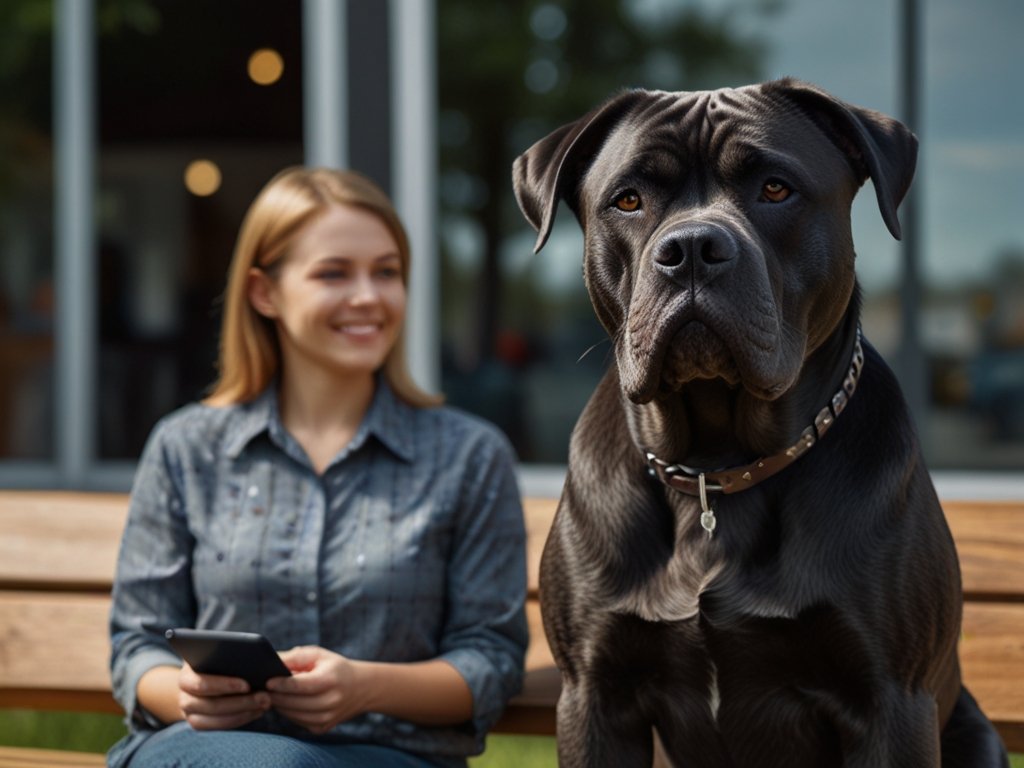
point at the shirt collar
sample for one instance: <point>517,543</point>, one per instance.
<point>389,420</point>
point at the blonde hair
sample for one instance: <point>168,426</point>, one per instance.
<point>249,353</point>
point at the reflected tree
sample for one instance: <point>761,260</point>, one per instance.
<point>26,72</point>
<point>510,72</point>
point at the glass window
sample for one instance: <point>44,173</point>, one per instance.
<point>199,105</point>
<point>520,344</point>
<point>972,184</point>
<point>26,224</point>
<point>520,341</point>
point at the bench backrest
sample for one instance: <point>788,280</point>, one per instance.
<point>58,552</point>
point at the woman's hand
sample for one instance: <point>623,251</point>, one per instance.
<point>215,702</point>
<point>325,689</point>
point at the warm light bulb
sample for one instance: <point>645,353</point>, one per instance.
<point>202,178</point>
<point>266,66</point>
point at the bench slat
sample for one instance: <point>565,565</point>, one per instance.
<point>992,659</point>
<point>990,541</point>
<point>538,515</point>
<point>81,533</point>
<point>60,540</point>
<point>54,642</point>
<point>18,757</point>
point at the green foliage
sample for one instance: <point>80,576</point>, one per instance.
<point>81,732</point>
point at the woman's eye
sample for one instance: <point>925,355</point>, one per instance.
<point>628,201</point>
<point>775,191</point>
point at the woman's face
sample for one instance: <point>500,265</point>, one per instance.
<point>337,296</point>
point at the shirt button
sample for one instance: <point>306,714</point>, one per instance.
<point>311,597</point>
<point>254,491</point>
<point>360,559</point>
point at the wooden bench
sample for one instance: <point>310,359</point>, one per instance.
<point>57,555</point>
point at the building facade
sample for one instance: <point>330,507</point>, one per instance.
<point>134,133</point>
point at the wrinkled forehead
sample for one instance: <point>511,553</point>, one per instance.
<point>690,118</point>
<point>669,129</point>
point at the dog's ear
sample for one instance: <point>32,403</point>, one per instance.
<point>552,168</point>
<point>880,147</point>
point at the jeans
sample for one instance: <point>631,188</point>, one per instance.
<point>179,746</point>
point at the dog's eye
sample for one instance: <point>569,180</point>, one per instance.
<point>775,191</point>
<point>628,201</point>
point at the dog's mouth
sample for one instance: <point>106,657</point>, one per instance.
<point>662,363</point>
<point>680,354</point>
<point>696,352</point>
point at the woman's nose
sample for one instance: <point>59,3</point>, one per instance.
<point>364,291</point>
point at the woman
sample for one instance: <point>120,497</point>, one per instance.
<point>318,497</point>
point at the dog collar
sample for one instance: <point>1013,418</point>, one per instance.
<point>735,479</point>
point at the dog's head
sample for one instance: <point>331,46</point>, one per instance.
<point>717,224</point>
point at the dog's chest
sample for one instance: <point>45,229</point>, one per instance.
<point>705,575</point>
<point>673,591</point>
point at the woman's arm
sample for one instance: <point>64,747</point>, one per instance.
<point>208,702</point>
<point>153,585</point>
<point>485,633</point>
<point>152,591</point>
<point>327,688</point>
<point>157,691</point>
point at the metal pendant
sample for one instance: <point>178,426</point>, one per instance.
<point>707,516</point>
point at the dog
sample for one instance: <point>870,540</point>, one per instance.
<point>749,560</point>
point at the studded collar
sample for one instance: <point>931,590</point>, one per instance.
<point>734,479</point>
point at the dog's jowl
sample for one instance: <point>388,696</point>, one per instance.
<point>749,558</point>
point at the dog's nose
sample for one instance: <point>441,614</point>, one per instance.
<point>695,252</point>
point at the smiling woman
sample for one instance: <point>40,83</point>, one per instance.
<point>337,300</point>
<point>321,499</point>
<point>295,237</point>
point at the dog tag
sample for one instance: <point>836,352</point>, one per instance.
<point>707,515</point>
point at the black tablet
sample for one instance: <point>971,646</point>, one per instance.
<point>237,654</point>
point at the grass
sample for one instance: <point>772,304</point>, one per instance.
<point>60,730</point>
<point>95,733</point>
<point>89,732</point>
<point>517,751</point>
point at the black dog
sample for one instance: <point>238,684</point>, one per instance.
<point>721,570</point>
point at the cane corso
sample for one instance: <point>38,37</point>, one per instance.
<point>749,557</point>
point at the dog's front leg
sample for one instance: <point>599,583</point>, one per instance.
<point>904,734</point>
<point>596,731</point>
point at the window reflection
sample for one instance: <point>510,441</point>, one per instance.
<point>26,242</point>
<point>200,104</point>
<point>973,187</point>
<point>219,84</point>
<point>520,342</point>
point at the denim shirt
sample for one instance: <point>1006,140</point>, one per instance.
<point>410,546</point>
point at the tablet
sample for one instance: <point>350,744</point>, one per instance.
<point>237,654</point>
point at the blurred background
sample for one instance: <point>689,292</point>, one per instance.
<point>134,134</point>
